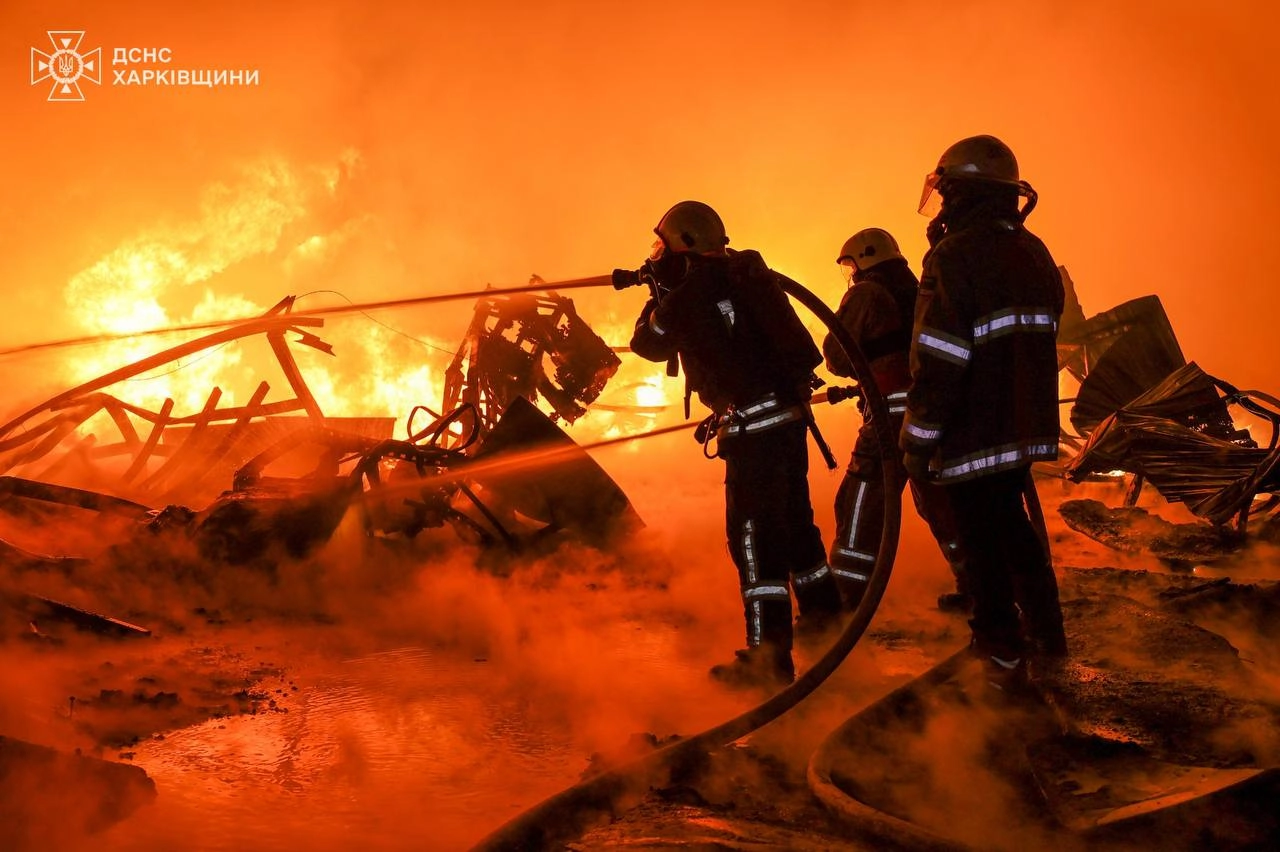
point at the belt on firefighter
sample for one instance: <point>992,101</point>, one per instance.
<point>762,415</point>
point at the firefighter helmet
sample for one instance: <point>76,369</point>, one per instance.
<point>693,227</point>
<point>977,158</point>
<point>869,247</point>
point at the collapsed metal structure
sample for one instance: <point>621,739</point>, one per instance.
<point>1143,410</point>
<point>294,473</point>
<point>525,346</point>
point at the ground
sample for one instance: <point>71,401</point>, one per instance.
<point>420,701</point>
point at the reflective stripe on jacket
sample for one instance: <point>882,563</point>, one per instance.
<point>984,368</point>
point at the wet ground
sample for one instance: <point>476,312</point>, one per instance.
<point>423,707</point>
<point>1171,691</point>
<point>405,748</point>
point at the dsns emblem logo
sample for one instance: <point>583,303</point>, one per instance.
<point>66,66</point>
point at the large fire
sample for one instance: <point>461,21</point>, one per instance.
<point>262,222</point>
<point>162,277</point>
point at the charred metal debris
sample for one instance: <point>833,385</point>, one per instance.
<point>491,465</point>
<point>1144,415</point>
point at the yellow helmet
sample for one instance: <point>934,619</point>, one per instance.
<point>692,227</point>
<point>982,158</point>
<point>869,247</point>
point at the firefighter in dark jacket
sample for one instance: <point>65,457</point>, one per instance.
<point>750,360</point>
<point>983,402</point>
<point>877,310</point>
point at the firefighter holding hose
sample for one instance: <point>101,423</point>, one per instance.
<point>877,310</point>
<point>750,360</point>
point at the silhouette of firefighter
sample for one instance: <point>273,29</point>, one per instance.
<point>745,353</point>
<point>983,402</point>
<point>877,310</point>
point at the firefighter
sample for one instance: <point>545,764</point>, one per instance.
<point>983,402</point>
<point>877,311</point>
<point>750,360</point>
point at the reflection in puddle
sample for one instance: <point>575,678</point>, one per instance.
<point>403,748</point>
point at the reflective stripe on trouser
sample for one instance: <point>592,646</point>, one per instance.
<point>860,514</point>
<point>859,517</point>
<point>765,607</point>
<point>769,526</point>
<point>816,588</point>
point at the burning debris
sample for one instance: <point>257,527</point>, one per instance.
<point>523,346</point>
<point>157,456</point>
<point>295,478</point>
<point>491,466</point>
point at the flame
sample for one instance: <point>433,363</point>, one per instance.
<point>639,397</point>
<point>137,285</point>
<point>651,392</point>
<point>387,376</point>
<point>144,282</point>
<point>266,219</point>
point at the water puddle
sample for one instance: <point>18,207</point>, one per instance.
<point>404,748</point>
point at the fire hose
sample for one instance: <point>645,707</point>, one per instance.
<point>286,306</point>
<point>567,814</point>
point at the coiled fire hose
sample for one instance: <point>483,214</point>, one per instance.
<point>567,814</point>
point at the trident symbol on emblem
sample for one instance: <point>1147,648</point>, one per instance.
<point>66,64</point>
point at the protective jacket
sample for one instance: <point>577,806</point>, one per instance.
<point>984,393</point>
<point>749,358</point>
<point>878,312</point>
<point>738,338</point>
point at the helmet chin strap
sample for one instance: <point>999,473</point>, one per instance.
<point>1032,197</point>
<point>958,199</point>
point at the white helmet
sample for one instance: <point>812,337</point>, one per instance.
<point>868,247</point>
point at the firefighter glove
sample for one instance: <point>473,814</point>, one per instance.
<point>917,465</point>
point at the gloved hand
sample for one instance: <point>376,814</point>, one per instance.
<point>803,390</point>
<point>917,465</point>
<point>936,230</point>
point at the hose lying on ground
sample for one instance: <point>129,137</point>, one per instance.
<point>871,823</point>
<point>569,813</point>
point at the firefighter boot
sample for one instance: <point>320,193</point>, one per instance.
<point>1003,677</point>
<point>960,601</point>
<point>1042,615</point>
<point>766,666</point>
<point>1007,677</point>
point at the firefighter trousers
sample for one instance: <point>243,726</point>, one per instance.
<point>1009,570</point>
<point>772,538</point>
<point>860,505</point>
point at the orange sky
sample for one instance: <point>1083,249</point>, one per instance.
<point>433,147</point>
